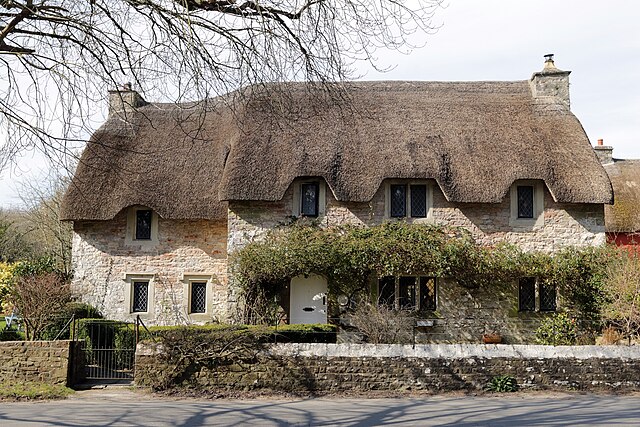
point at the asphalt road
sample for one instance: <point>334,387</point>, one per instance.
<point>125,408</point>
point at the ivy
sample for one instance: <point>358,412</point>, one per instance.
<point>351,256</point>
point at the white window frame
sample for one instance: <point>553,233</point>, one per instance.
<point>188,279</point>
<point>538,205</point>
<point>130,238</point>
<point>129,279</point>
<point>408,184</point>
<point>297,199</point>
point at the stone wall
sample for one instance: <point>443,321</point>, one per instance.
<point>105,261</point>
<point>102,258</point>
<point>564,224</point>
<point>464,314</point>
<point>50,362</point>
<point>429,368</point>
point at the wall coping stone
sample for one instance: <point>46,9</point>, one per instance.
<point>438,351</point>
<point>455,351</point>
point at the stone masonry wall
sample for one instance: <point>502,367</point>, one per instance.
<point>429,368</point>
<point>37,361</point>
<point>463,315</point>
<point>564,224</point>
<point>102,258</point>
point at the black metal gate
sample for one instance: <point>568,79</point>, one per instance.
<point>109,350</point>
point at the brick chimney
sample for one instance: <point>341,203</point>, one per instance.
<point>550,87</point>
<point>124,100</point>
<point>604,152</point>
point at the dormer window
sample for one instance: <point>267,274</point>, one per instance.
<point>142,227</point>
<point>527,204</point>
<point>525,201</point>
<point>143,224</point>
<point>408,200</point>
<point>398,201</point>
<point>309,195</point>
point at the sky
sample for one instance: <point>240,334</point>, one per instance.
<point>505,40</point>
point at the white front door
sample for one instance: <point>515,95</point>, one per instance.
<point>308,299</point>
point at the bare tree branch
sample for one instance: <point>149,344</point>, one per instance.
<point>58,57</point>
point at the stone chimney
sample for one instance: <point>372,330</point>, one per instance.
<point>550,87</point>
<point>124,100</point>
<point>604,152</point>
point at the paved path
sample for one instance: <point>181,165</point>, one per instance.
<point>125,408</point>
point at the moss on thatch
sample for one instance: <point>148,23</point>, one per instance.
<point>624,214</point>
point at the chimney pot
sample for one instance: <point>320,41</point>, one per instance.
<point>126,86</point>
<point>601,142</point>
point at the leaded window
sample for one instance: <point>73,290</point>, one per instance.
<point>547,297</point>
<point>140,300</point>
<point>198,297</point>
<point>309,199</point>
<point>398,201</point>
<point>407,297</point>
<point>525,201</point>
<point>143,224</point>
<point>427,293</point>
<point>408,200</point>
<point>527,294</point>
<point>418,201</point>
<point>407,292</point>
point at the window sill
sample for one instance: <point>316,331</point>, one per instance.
<point>200,317</point>
<point>526,224</point>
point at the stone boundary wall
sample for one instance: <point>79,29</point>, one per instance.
<point>429,368</point>
<point>49,362</point>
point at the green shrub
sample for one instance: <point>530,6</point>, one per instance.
<point>502,384</point>
<point>317,333</point>
<point>558,329</point>
<point>306,333</point>
<point>8,334</point>
<point>61,328</point>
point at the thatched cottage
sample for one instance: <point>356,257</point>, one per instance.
<point>164,193</point>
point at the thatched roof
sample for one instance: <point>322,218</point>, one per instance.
<point>166,158</point>
<point>474,139</point>
<point>624,214</point>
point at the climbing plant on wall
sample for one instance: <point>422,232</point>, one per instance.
<point>350,256</point>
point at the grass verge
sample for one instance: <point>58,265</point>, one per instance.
<point>33,391</point>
